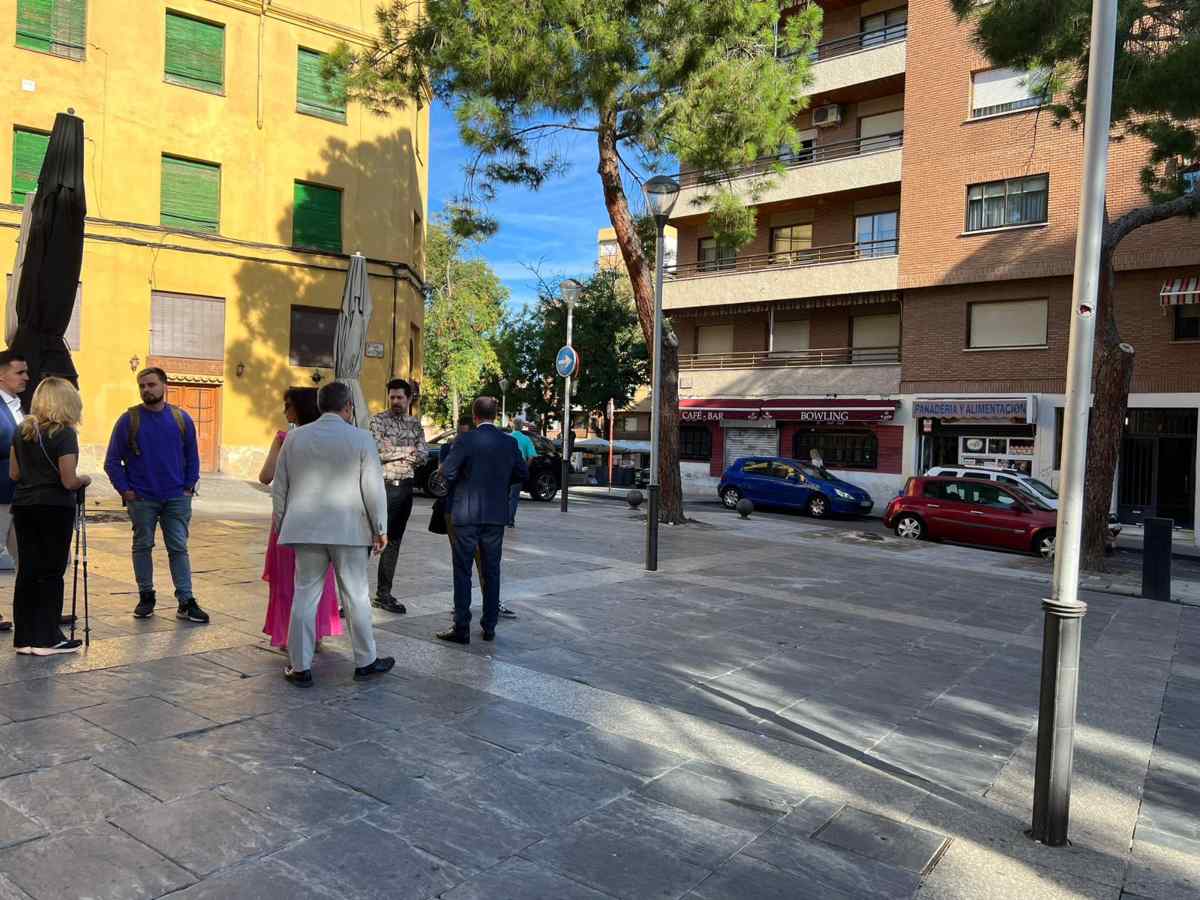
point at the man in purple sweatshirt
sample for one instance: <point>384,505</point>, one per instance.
<point>154,462</point>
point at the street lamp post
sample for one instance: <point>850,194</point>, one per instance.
<point>570,290</point>
<point>1064,611</point>
<point>661,193</point>
<point>504,402</point>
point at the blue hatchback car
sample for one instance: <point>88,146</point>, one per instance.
<point>779,481</point>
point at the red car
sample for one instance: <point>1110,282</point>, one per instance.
<point>970,511</point>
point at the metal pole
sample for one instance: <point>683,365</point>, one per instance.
<point>1064,611</point>
<point>566,428</point>
<point>503,409</point>
<point>655,400</point>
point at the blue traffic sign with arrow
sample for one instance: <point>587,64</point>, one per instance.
<point>566,362</point>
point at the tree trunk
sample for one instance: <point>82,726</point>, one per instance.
<point>454,408</point>
<point>641,277</point>
<point>1111,379</point>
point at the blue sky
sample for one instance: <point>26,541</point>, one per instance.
<point>553,229</point>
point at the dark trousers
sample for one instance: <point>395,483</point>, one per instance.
<point>488,540</point>
<point>44,544</point>
<point>399,504</point>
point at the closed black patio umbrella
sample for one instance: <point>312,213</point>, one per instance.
<point>53,258</point>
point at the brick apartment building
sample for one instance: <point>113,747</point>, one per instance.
<point>906,301</point>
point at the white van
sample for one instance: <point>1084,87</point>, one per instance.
<point>1010,477</point>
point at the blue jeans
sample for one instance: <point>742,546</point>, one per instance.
<point>488,540</point>
<point>175,516</point>
<point>514,497</point>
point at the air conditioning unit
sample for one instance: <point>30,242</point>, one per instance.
<point>827,116</point>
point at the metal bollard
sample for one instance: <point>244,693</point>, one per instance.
<point>1156,559</point>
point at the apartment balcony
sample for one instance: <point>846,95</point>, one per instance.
<point>843,370</point>
<point>814,272</point>
<point>859,59</point>
<point>823,169</point>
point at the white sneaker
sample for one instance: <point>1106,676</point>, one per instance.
<point>60,647</point>
<point>25,651</point>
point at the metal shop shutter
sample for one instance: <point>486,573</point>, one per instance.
<point>53,26</point>
<point>741,442</point>
<point>191,195</point>
<point>317,220</point>
<point>195,54</point>
<point>29,149</point>
<point>313,95</point>
<point>187,326</point>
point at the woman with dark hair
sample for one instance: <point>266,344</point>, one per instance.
<point>279,569</point>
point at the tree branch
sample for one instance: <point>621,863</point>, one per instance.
<point>1118,230</point>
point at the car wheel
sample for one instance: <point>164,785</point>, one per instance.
<point>1043,545</point>
<point>818,506</point>
<point>435,484</point>
<point>543,487</point>
<point>908,526</point>
<point>730,497</point>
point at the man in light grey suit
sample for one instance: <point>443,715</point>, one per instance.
<point>330,507</point>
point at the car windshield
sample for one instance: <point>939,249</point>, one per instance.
<point>1042,488</point>
<point>1034,500</point>
<point>814,471</point>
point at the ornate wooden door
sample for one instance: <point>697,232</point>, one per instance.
<point>203,404</point>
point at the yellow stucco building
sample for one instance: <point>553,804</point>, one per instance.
<point>226,189</point>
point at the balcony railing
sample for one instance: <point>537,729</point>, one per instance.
<point>792,359</point>
<point>864,40</point>
<point>810,256</point>
<point>807,156</point>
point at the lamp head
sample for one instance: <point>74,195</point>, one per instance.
<point>661,193</point>
<point>504,385</point>
<point>570,290</point>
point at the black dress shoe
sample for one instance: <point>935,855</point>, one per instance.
<point>378,667</point>
<point>299,679</point>
<point>5,625</point>
<point>454,636</point>
<point>489,635</point>
<point>389,604</point>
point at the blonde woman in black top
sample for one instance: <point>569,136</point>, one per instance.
<point>43,464</point>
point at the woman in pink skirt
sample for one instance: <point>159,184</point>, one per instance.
<point>279,570</point>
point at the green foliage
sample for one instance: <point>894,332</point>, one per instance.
<point>464,311</point>
<point>612,353</point>
<point>734,224</point>
<point>702,82</point>
<point>1154,84</point>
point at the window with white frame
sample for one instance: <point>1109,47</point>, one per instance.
<point>1007,323</point>
<point>1000,204</point>
<point>997,91</point>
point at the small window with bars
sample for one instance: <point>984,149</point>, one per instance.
<point>29,150</point>
<point>191,195</point>
<point>851,449</point>
<point>314,95</point>
<point>187,326</point>
<point>195,53</point>
<point>314,330</point>
<point>317,218</point>
<point>997,91</point>
<point>53,26</point>
<point>1015,201</point>
<point>695,443</point>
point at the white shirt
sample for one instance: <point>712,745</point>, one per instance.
<point>13,404</point>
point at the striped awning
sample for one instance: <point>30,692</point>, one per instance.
<point>1180,291</point>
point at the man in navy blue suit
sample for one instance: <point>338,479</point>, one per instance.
<point>14,376</point>
<point>479,469</point>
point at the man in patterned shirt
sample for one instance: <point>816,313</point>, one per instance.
<point>402,450</point>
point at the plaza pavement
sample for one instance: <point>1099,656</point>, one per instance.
<point>785,710</point>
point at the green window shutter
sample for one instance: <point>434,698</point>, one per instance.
<point>195,53</point>
<point>29,149</point>
<point>317,220</point>
<point>313,95</point>
<point>53,26</point>
<point>191,195</point>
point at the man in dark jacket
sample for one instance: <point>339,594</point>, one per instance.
<point>14,375</point>
<point>479,470</point>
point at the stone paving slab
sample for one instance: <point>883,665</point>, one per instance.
<point>747,722</point>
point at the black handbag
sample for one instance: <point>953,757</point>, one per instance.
<point>437,518</point>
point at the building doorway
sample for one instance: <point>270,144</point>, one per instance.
<point>203,404</point>
<point>1158,466</point>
